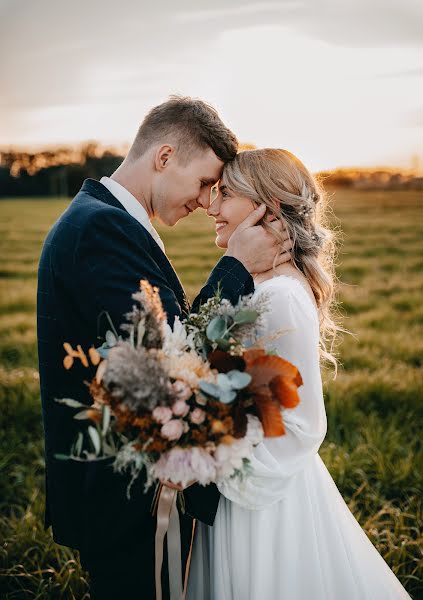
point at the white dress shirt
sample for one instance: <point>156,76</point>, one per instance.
<point>133,207</point>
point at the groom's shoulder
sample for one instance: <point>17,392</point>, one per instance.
<point>90,221</point>
<point>92,204</point>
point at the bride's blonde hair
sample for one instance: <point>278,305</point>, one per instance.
<point>279,180</point>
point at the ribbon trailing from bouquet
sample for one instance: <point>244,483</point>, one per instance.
<point>165,506</point>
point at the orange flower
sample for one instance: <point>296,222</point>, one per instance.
<point>71,354</point>
<point>94,356</point>
<point>94,415</point>
<point>275,383</point>
<point>227,439</point>
<point>218,426</point>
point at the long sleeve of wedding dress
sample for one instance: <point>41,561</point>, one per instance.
<point>276,461</point>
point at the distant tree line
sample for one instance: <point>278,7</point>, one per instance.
<point>60,172</point>
<point>371,179</point>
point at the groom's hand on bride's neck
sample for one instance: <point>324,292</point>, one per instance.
<point>255,247</point>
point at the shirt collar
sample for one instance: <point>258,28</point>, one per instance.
<point>132,206</point>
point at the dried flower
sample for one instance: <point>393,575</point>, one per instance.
<point>173,429</point>
<point>181,465</point>
<point>179,390</point>
<point>218,426</point>
<point>190,368</point>
<point>162,414</point>
<point>135,378</point>
<point>197,416</point>
<point>177,339</point>
<point>180,408</point>
<point>148,320</point>
<point>71,354</point>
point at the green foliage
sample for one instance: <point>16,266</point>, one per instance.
<point>373,448</point>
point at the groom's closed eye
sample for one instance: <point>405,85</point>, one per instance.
<point>207,181</point>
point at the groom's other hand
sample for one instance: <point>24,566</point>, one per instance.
<point>257,248</point>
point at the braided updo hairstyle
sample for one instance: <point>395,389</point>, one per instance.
<point>279,180</point>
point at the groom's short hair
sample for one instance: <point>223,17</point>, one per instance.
<point>190,124</point>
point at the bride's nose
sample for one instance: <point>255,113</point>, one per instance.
<point>214,207</point>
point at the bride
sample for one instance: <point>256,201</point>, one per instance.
<point>285,532</point>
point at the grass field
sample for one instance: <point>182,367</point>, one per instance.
<point>374,406</point>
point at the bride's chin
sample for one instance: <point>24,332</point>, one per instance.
<point>221,243</point>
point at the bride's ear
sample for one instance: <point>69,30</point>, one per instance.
<point>270,217</point>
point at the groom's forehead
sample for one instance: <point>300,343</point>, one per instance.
<point>210,166</point>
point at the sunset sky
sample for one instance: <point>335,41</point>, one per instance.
<point>338,82</point>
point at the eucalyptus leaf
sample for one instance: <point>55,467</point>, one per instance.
<point>239,379</point>
<point>246,316</point>
<point>210,389</point>
<point>95,438</point>
<point>105,419</point>
<point>78,444</point>
<point>223,344</point>
<point>216,328</point>
<point>89,455</point>
<point>62,457</point>
<point>224,382</point>
<point>109,449</point>
<point>71,403</point>
<point>103,351</point>
<point>81,415</point>
<point>111,339</point>
<point>227,396</point>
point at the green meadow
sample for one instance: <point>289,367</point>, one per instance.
<point>373,446</point>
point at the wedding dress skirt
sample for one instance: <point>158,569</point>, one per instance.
<point>285,532</point>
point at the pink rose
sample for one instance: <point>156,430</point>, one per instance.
<point>173,429</point>
<point>162,414</point>
<point>180,408</point>
<point>197,416</point>
<point>181,390</point>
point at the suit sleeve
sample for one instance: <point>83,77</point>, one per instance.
<point>233,279</point>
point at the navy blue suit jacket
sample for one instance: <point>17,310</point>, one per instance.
<point>92,261</point>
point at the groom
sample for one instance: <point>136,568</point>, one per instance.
<point>92,261</point>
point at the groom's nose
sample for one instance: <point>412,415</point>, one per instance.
<point>203,199</point>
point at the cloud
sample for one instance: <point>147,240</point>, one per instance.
<point>405,73</point>
<point>414,118</point>
<point>356,23</point>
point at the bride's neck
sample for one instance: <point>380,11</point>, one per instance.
<point>285,269</point>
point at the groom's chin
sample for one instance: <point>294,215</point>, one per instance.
<point>170,219</point>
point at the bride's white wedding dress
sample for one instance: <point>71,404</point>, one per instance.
<point>286,532</point>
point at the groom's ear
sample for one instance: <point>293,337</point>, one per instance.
<point>163,155</point>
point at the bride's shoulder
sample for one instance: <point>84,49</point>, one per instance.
<point>287,288</point>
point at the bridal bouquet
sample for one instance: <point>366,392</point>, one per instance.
<point>184,403</point>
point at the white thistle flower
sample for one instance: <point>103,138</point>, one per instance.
<point>177,339</point>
